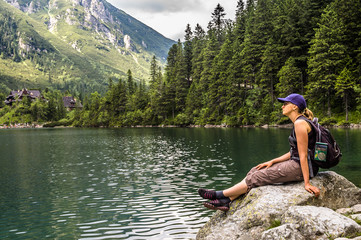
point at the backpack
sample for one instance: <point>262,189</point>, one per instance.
<point>327,153</point>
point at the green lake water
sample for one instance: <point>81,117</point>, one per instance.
<point>134,183</point>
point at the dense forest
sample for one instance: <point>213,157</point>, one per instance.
<point>232,72</point>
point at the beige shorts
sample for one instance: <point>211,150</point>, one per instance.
<point>287,171</point>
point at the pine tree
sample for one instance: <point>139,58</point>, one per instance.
<point>171,78</point>
<point>221,83</point>
<point>235,78</point>
<point>270,66</point>
<point>349,12</point>
<point>117,99</point>
<point>156,90</point>
<point>181,81</point>
<point>240,9</point>
<point>188,48</point>
<point>193,100</point>
<point>239,35</point>
<point>328,57</point>
<point>344,86</point>
<point>51,112</point>
<point>198,44</point>
<point>218,23</point>
<point>208,54</point>
<point>94,109</point>
<point>141,95</point>
<point>294,25</point>
<point>153,73</point>
<point>130,83</point>
<point>60,107</point>
<point>251,47</point>
<point>290,78</point>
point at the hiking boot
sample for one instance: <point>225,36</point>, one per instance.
<point>207,194</point>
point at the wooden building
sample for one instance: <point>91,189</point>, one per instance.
<point>19,95</point>
<point>71,103</point>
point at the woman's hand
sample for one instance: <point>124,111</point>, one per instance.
<point>266,165</point>
<point>312,189</point>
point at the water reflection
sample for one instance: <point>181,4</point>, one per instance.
<point>122,183</point>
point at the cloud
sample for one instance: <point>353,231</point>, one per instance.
<point>170,17</point>
<point>159,6</point>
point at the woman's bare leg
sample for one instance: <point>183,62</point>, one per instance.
<point>237,190</point>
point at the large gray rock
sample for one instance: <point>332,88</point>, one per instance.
<point>320,222</point>
<point>251,216</point>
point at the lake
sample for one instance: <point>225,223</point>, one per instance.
<point>131,183</point>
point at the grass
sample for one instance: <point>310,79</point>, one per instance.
<point>357,221</point>
<point>274,223</point>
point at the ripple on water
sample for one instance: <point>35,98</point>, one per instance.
<point>129,186</point>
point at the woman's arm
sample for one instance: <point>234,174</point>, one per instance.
<point>302,128</point>
<point>282,158</point>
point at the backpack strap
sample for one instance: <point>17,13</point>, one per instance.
<point>315,125</point>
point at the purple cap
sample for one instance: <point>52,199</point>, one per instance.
<point>296,99</point>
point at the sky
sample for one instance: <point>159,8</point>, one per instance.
<point>170,17</point>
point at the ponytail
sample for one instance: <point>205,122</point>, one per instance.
<point>308,114</point>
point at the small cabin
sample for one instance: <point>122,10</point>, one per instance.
<point>71,103</point>
<point>19,95</point>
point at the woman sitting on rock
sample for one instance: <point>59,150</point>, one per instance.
<point>292,166</point>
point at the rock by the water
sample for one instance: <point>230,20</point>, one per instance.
<point>288,211</point>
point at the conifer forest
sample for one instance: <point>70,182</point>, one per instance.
<point>233,72</point>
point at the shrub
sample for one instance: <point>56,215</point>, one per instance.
<point>62,122</point>
<point>328,121</point>
<point>344,123</point>
<point>182,120</point>
<point>230,120</point>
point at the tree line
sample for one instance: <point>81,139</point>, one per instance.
<point>50,108</point>
<point>232,72</point>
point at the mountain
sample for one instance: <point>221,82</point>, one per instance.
<point>73,45</point>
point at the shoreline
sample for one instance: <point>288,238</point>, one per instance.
<point>266,126</point>
<point>21,125</point>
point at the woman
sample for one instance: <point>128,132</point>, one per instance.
<point>292,166</point>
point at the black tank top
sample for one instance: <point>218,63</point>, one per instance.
<point>311,146</point>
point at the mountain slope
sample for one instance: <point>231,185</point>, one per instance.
<point>73,44</point>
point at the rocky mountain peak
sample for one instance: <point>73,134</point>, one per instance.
<point>28,7</point>
<point>98,17</point>
<point>90,41</point>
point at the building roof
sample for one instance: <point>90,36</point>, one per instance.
<point>23,92</point>
<point>70,102</point>
<point>20,94</point>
